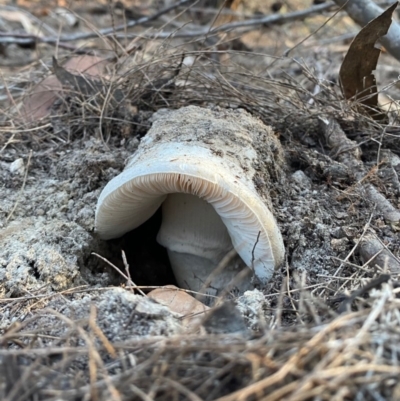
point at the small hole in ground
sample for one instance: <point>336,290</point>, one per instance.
<point>35,270</point>
<point>148,260</point>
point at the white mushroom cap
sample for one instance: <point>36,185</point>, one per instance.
<point>174,167</point>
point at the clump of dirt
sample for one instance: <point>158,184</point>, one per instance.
<point>48,218</point>
<point>255,309</point>
<point>37,253</point>
<point>120,315</point>
<point>92,319</point>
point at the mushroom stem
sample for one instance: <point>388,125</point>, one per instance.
<point>196,240</point>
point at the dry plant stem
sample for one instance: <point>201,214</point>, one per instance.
<point>182,389</point>
<point>8,143</point>
<point>290,365</point>
<point>347,152</point>
<point>361,268</point>
<point>141,394</point>
<point>18,386</point>
<point>241,26</point>
<point>207,30</point>
<point>44,296</point>
<point>221,266</point>
<point>38,352</point>
<point>155,287</point>
<point>130,282</point>
<point>375,283</point>
<point>335,39</point>
<point>100,384</point>
<point>126,265</point>
<point>363,11</point>
<point>284,371</point>
<point>289,293</point>
<point>355,276</point>
<point>279,309</point>
<point>29,39</point>
<point>95,360</point>
<point>345,261</point>
<point>97,331</point>
<point>8,92</point>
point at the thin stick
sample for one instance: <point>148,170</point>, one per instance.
<point>248,25</point>
<point>125,261</point>
<point>99,333</point>
<point>366,227</point>
<point>253,250</point>
<point>27,39</point>
<point>121,273</point>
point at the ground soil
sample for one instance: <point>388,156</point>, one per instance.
<point>51,178</point>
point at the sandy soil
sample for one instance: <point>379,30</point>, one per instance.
<point>53,289</point>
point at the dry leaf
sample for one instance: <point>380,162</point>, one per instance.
<point>181,303</point>
<point>77,82</point>
<point>38,103</point>
<point>356,71</point>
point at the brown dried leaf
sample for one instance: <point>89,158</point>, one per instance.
<point>356,72</point>
<point>181,303</point>
<point>38,103</point>
<point>76,82</point>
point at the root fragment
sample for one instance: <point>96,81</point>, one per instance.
<point>373,252</point>
<point>348,152</point>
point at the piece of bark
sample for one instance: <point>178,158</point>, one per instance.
<point>391,214</point>
<point>343,149</point>
<point>370,246</point>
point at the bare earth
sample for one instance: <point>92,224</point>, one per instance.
<point>70,328</point>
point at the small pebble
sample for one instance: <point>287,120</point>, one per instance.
<point>17,166</point>
<point>64,15</point>
<point>301,179</point>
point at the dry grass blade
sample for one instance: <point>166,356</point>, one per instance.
<point>249,368</point>
<point>71,328</point>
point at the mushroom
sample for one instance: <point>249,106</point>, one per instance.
<point>199,164</point>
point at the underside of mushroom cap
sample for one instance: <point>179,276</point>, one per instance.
<point>174,167</point>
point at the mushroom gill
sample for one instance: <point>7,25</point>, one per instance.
<point>198,164</point>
